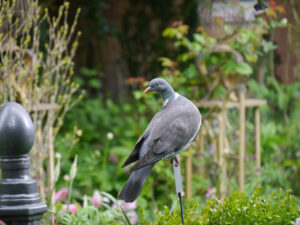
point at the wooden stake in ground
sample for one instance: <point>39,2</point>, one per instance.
<point>242,112</point>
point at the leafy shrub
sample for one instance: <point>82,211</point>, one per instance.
<point>280,132</point>
<point>107,134</point>
<point>89,214</point>
<point>279,208</point>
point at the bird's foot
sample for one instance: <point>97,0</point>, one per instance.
<point>177,160</point>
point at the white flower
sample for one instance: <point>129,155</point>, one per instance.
<point>105,199</point>
<point>79,132</point>
<point>66,177</point>
<point>110,135</point>
<point>57,155</point>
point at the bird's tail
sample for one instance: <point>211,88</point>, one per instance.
<point>134,184</point>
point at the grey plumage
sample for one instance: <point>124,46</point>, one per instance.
<point>170,131</point>
<point>137,178</point>
<point>134,184</point>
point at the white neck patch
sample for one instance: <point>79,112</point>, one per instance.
<point>166,101</point>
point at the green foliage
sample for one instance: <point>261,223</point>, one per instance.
<point>220,66</point>
<point>90,79</point>
<point>99,154</point>
<point>110,210</point>
<point>89,214</point>
<point>279,208</point>
<point>100,157</point>
<point>280,133</point>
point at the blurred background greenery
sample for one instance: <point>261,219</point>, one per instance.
<point>126,43</point>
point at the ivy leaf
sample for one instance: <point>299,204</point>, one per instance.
<point>244,69</point>
<point>169,32</point>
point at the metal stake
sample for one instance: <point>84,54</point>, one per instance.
<point>178,184</point>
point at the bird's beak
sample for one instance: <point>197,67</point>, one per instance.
<point>147,90</point>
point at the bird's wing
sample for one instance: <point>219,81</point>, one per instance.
<point>173,136</point>
<point>134,156</point>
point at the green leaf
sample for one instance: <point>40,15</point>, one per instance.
<point>95,83</point>
<point>57,170</point>
<point>125,215</point>
<point>199,38</point>
<point>169,32</point>
<point>73,170</point>
<point>244,69</point>
<point>282,100</point>
<point>166,62</point>
<point>138,94</point>
<point>268,46</point>
<point>89,72</point>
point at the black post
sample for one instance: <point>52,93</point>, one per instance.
<point>20,202</point>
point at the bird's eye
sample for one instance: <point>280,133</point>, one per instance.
<point>156,84</point>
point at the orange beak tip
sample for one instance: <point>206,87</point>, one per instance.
<point>147,90</point>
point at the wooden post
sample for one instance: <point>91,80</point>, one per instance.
<point>242,115</point>
<point>202,172</point>
<point>189,177</point>
<point>216,153</point>
<point>50,168</point>
<point>219,141</point>
<point>41,171</point>
<point>257,139</point>
<point>222,166</point>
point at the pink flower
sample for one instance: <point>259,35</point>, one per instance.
<point>97,199</point>
<point>133,217</point>
<point>169,72</point>
<point>129,206</point>
<point>61,195</point>
<point>210,192</point>
<point>177,23</point>
<point>72,208</point>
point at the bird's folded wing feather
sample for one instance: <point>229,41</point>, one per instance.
<point>134,156</point>
<point>167,140</point>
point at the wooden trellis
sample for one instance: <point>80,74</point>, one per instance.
<point>221,142</point>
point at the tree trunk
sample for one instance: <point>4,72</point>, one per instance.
<point>114,67</point>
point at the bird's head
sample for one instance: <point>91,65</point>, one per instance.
<point>161,87</point>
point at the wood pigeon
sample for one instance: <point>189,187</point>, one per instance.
<point>170,131</point>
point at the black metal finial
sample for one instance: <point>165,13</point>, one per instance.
<point>16,130</point>
<point>20,201</point>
